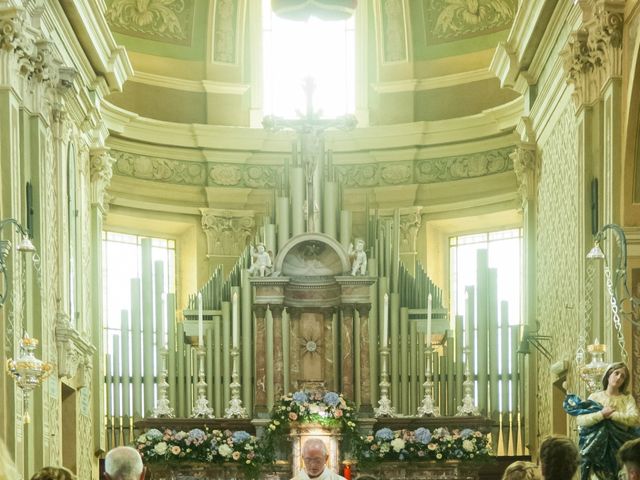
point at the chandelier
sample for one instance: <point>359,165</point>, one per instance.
<point>28,371</point>
<point>593,371</point>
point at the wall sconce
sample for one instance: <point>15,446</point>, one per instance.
<point>24,246</point>
<point>28,371</point>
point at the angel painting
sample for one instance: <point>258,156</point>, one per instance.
<point>261,264</point>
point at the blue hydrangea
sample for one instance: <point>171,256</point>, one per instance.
<point>331,398</point>
<point>384,434</point>
<point>423,435</point>
<point>196,435</point>
<point>300,397</point>
<point>240,436</point>
<point>154,434</point>
<point>466,433</point>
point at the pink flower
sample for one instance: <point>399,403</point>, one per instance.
<point>293,416</point>
<point>338,413</point>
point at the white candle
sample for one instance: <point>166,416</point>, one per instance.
<point>467,320</point>
<point>235,320</point>
<point>385,321</point>
<point>429,321</point>
<point>200,323</point>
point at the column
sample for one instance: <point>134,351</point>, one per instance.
<point>365,369</point>
<point>346,340</point>
<point>278,358</point>
<point>261,358</point>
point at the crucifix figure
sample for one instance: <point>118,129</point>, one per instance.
<point>310,129</point>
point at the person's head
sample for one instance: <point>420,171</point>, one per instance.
<point>314,456</point>
<point>629,457</point>
<point>54,473</point>
<point>521,470</point>
<point>8,470</point>
<point>359,244</point>
<point>123,463</point>
<point>617,374</point>
<point>558,458</point>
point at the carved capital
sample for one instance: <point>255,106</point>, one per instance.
<point>227,231</point>
<point>525,167</point>
<point>593,54</point>
<point>409,226</point>
<point>74,351</point>
<point>101,168</point>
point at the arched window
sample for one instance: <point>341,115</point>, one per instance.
<point>307,47</point>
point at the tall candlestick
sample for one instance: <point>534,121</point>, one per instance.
<point>429,320</point>
<point>200,323</point>
<point>467,320</point>
<point>235,320</point>
<point>385,321</point>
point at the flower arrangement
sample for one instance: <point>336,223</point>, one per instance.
<point>198,445</point>
<point>422,444</point>
<point>328,409</point>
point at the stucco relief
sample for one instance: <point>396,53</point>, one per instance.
<point>464,166</point>
<point>457,19</point>
<point>559,252</point>
<point>158,169</point>
<point>163,20</point>
<point>224,34</point>
<point>228,232</point>
<point>394,31</point>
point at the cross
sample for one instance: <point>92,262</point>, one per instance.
<point>310,129</point>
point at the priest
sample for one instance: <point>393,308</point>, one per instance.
<point>314,457</point>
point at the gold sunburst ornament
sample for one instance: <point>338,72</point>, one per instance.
<point>28,371</point>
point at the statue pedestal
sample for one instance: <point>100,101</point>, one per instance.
<point>301,432</point>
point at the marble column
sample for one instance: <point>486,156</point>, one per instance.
<point>278,352</point>
<point>365,389</point>
<point>346,340</point>
<point>260,405</point>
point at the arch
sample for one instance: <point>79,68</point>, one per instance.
<point>310,255</point>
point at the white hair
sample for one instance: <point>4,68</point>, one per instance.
<point>123,463</point>
<point>314,443</point>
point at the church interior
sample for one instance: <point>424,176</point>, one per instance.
<point>401,215</point>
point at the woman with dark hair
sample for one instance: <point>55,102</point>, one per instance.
<point>606,420</point>
<point>558,458</point>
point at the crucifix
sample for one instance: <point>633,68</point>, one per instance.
<point>310,128</point>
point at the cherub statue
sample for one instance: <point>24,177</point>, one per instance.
<point>358,258</point>
<point>261,264</point>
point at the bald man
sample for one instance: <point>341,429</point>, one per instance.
<point>314,457</point>
<point>123,463</point>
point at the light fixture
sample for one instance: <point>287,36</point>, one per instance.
<point>24,246</point>
<point>593,371</point>
<point>28,371</point>
<point>618,290</point>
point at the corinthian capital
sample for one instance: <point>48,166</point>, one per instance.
<point>593,53</point>
<point>409,225</point>
<point>101,164</point>
<point>227,231</point>
<point>525,168</point>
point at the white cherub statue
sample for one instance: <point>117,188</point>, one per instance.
<point>358,258</point>
<point>261,264</point>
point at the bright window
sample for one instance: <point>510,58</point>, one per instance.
<point>294,50</point>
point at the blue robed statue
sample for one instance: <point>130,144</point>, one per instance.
<point>606,420</point>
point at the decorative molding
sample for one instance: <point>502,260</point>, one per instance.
<point>74,352</point>
<point>224,32</point>
<point>409,226</point>
<point>447,21</point>
<point>101,168</point>
<point>593,53</point>
<point>525,167</point>
<point>227,231</point>
<point>394,32</point>
<point>164,21</point>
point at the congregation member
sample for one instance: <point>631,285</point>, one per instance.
<point>123,463</point>
<point>559,458</point>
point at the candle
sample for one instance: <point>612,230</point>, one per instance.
<point>385,321</point>
<point>235,320</point>
<point>429,320</point>
<point>467,320</point>
<point>200,323</point>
